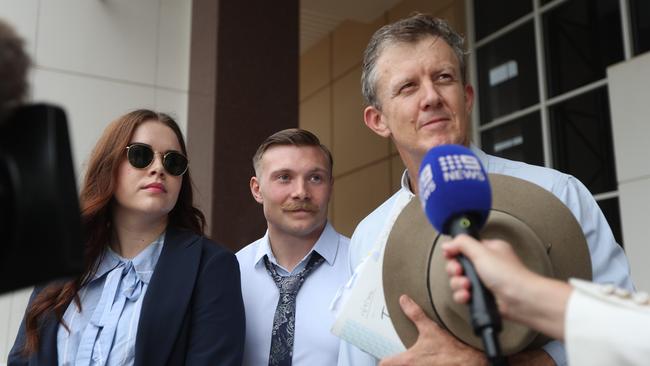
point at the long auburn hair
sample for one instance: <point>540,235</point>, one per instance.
<point>96,200</point>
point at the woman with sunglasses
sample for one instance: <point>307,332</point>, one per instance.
<point>154,290</point>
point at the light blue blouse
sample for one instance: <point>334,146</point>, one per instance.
<point>104,331</point>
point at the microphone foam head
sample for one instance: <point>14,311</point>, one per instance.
<point>452,182</point>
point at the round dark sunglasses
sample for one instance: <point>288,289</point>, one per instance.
<point>141,156</point>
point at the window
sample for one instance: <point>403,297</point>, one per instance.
<point>640,13</point>
<point>582,38</point>
<point>581,137</point>
<point>507,73</point>
<point>612,213</point>
<point>563,123</point>
<point>520,139</point>
<point>496,14</point>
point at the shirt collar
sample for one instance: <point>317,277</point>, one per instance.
<point>406,183</point>
<point>144,263</point>
<point>327,246</point>
<point>264,248</point>
<point>482,156</point>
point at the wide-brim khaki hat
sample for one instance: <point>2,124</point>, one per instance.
<point>541,229</point>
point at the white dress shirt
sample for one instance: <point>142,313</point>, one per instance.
<point>314,345</point>
<point>608,261</point>
<point>605,325</point>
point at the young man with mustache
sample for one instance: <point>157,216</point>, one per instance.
<point>290,275</point>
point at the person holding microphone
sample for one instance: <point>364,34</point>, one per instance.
<point>599,324</point>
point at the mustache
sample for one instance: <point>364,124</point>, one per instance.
<point>295,206</point>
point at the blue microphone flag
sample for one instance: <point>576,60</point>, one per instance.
<point>452,182</point>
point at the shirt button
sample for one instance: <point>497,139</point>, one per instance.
<point>641,298</point>
<point>607,289</point>
<point>622,293</point>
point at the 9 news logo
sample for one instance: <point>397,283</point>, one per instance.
<point>460,167</point>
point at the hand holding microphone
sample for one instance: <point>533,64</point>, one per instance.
<point>522,295</point>
<point>456,197</point>
<point>496,263</point>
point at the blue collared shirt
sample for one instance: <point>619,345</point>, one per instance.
<point>104,331</point>
<point>314,345</point>
<point>608,261</point>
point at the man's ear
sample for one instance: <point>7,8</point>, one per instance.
<point>255,189</point>
<point>372,117</point>
<point>469,98</point>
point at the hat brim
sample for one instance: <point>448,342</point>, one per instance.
<point>542,230</point>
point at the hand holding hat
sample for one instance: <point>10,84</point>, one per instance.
<point>434,345</point>
<point>543,233</point>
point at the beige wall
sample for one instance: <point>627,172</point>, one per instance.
<point>367,168</point>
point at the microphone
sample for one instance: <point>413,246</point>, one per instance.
<point>456,197</point>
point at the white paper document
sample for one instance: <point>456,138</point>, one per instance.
<point>360,309</point>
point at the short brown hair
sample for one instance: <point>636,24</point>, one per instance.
<point>407,30</point>
<point>291,137</point>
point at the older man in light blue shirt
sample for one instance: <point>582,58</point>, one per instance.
<point>415,86</point>
<point>608,260</point>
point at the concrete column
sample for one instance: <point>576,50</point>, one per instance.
<point>243,87</point>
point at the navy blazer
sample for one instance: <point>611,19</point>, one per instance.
<point>192,312</point>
